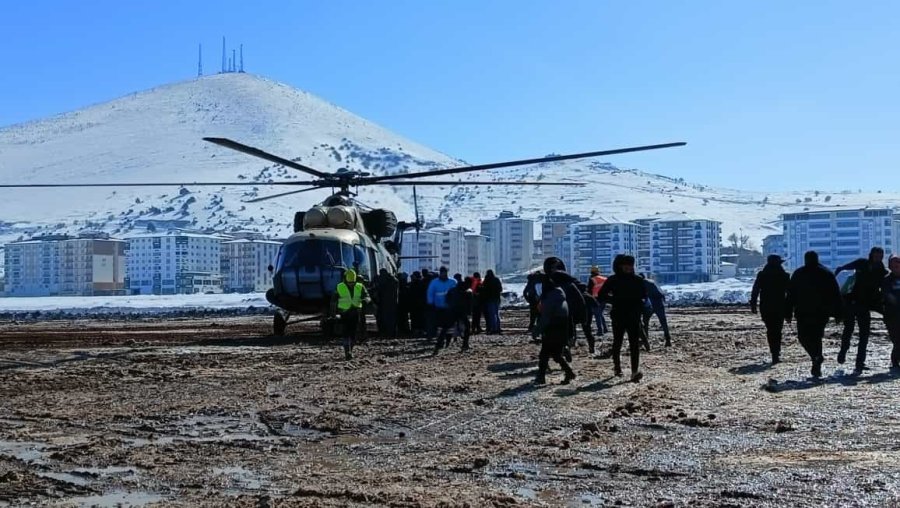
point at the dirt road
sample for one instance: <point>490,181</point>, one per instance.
<point>206,412</point>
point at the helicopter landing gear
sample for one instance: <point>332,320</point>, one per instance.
<point>279,324</point>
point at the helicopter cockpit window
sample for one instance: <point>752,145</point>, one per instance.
<point>360,261</point>
<point>311,254</point>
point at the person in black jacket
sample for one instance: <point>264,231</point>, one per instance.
<point>491,292</point>
<point>813,296</point>
<point>657,305</point>
<point>626,292</point>
<point>461,300</point>
<point>387,289</point>
<point>865,297</point>
<point>558,299</point>
<point>418,288</point>
<point>403,303</point>
<point>890,289</point>
<point>770,290</point>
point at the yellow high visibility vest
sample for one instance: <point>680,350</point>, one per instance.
<point>345,301</point>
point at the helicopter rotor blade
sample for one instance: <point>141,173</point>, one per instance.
<point>453,182</point>
<point>273,196</point>
<point>256,152</point>
<point>146,184</point>
<point>510,164</point>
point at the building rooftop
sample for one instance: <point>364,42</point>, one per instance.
<point>246,240</point>
<point>679,217</point>
<point>604,220</point>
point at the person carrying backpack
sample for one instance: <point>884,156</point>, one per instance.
<point>556,320</point>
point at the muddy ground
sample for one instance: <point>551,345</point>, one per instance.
<point>198,412</point>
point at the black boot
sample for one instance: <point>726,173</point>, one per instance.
<point>570,376</point>
<point>347,354</point>
<point>541,379</point>
<point>816,370</point>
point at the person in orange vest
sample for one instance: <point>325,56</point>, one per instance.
<point>350,296</point>
<point>595,284</point>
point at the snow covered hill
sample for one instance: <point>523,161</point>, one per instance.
<point>155,135</point>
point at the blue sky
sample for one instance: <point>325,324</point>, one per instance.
<point>770,95</point>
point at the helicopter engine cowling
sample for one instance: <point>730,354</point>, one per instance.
<point>316,217</point>
<point>341,217</point>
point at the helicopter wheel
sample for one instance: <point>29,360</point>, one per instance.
<point>279,324</point>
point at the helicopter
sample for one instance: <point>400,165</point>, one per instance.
<point>340,232</point>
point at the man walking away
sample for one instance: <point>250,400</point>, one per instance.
<point>387,289</point>
<point>770,290</point>
<point>626,292</point>
<point>595,284</point>
<point>492,291</point>
<point>350,296</point>
<point>460,300</point>
<point>657,301</point>
<point>813,296</point>
<point>890,288</point>
<point>555,321</point>
<point>443,314</point>
<point>478,309</point>
<point>866,295</point>
<point>532,297</point>
<point>403,301</point>
<point>590,308</point>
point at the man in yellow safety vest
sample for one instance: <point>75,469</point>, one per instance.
<point>351,296</point>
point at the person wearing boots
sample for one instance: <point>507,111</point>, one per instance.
<point>626,292</point>
<point>555,320</point>
<point>351,296</point>
<point>813,296</point>
<point>770,290</point>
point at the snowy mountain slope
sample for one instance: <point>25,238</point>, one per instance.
<point>155,135</point>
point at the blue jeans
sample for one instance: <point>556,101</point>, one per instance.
<point>601,321</point>
<point>492,316</point>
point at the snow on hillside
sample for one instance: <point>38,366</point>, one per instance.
<point>155,135</point>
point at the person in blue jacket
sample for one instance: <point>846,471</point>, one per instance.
<point>443,312</point>
<point>656,301</point>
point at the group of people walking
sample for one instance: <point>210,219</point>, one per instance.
<point>812,296</point>
<point>560,302</point>
<point>425,304</point>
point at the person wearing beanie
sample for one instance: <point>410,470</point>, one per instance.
<point>770,290</point>
<point>626,293</point>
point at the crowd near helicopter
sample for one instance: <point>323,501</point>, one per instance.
<point>341,232</point>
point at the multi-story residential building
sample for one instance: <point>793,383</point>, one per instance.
<point>59,265</point>
<point>454,254</point>
<point>553,228</point>
<point>422,249</point>
<point>685,249</point>
<point>32,268</point>
<point>513,240</point>
<point>773,244</point>
<point>643,249</point>
<point>480,254</point>
<point>838,236</point>
<point>245,265</point>
<point>176,263</point>
<point>92,266</point>
<point>597,242</point>
<point>564,250</point>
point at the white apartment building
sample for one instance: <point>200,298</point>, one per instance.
<point>513,240</point>
<point>685,249</point>
<point>839,236</point>
<point>176,263</point>
<point>59,265</point>
<point>773,244</point>
<point>643,249</point>
<point>597,242</point>
<point>245,265</point>
<point>480,254</point>
<point>435,248</point>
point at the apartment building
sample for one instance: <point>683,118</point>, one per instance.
<point>513,240</point>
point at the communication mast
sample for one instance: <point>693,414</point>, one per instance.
<point>200,60</point>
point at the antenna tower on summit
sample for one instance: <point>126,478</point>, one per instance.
<point>242,59</point>
<point>200,60</point>
<point>223,54</point>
